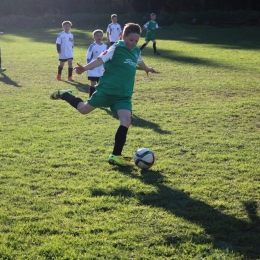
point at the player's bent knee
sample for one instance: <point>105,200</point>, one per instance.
<point>126,123</point>
<point>85,108</point>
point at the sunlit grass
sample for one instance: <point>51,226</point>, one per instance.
<point>60,199</point>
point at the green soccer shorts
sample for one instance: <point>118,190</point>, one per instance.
<point>149,37</point>
<point>100,99</point>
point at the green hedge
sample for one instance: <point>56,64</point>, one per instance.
<point>102,20</point>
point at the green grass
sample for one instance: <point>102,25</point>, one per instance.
<point>60,199</point>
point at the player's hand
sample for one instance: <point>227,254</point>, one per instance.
<point>152,70</point>
<point>79,69</point>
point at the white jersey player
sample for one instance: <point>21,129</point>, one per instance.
<point>65,44</point>
<point>94,50</point>
<point>114,31</point>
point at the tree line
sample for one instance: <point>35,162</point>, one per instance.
<point>40,7</point>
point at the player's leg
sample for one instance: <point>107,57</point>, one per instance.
<point>146,42</point>
<point>76,102</point>
<point>60,68</point>
<point>93,83</point>
<point>154,48</point>
<point>70,69</point>
<point>116,158</point>
<point>1,69</point>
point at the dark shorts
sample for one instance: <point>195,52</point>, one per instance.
<point>93,79</point>
<point>64,60</point>
<point>100,99</point>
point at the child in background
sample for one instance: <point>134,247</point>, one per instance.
<point>94,50</point>
<point>115,87</point>
<point>1,69</point>
<point>150,26</point>
<point>114,31</point>
<point>65,44</point>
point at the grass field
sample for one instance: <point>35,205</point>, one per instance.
<point>60,199</point>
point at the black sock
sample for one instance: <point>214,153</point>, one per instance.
<point>91,91</point>
<point>70,71</point>
<point>120,139</point>
<point>154,47</point>
<point>72,100</point>
<point>143,46</point>
<point>60,69</point>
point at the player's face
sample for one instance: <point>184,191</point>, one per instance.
<point>66,27</point>
<point>131,40</point>
<point>153,17</point>
<point>98,37</point>
<point>114,19</point>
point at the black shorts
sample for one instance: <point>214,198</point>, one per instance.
<point>64,60</point>
<point>93,79</point>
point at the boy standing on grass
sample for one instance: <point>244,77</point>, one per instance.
<point>64,44</point>
<point>1,69</point>
<point>114,31</point>
<point>150,26</point>
<point>94,50</point>
<point>115,87</point>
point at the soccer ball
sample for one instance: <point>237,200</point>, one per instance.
<point>144,158</point>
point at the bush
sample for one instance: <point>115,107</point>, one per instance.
<point>102,20</point>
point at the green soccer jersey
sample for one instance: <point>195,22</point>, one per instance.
<point>151,26</point>
<point>120,68</point>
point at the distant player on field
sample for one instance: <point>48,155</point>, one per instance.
<point>115,87</point>
<point>114,31</point>
<point>150,26</point>
<point>1,69</point>
<point>65,44</point>
<point>94,50</point>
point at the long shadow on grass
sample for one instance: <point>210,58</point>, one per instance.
<point>226,232</point>
<point>140,122</point>
<point>233,38</point>
<point>6,80</point>
<point>79,86</point>
<point>179,57</point>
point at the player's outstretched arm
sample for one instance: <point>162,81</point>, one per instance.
<point>143,66</point>
<point>93,64</point>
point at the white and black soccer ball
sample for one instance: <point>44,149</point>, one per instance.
<point>144,158</point>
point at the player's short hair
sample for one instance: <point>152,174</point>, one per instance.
<point>152,14</point>
<point>97,31</point>
<point>131,28</point>
<point>67,22</point>
<point>113,15</point>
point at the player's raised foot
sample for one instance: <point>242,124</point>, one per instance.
<point>58,93</point>
<point>70,79</point>
<point>59,77</point>
<point>118,160</point>
<point>2,69</point>
<point>157,53</point>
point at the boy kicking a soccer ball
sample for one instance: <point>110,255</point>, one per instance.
<point>115,87</point>
<point>1,69</point>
